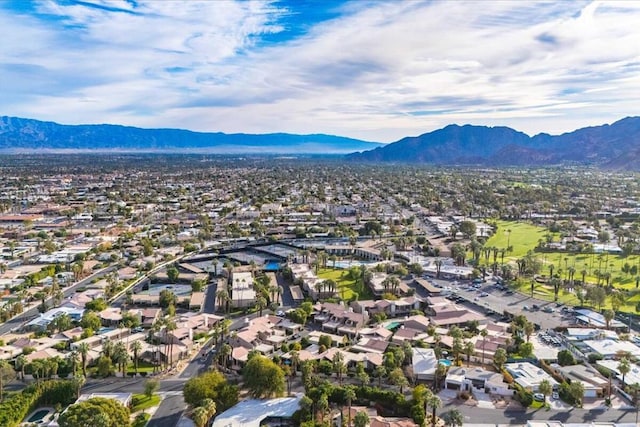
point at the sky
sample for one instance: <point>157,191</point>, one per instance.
<point>369,69</point>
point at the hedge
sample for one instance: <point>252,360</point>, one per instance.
<point>15,408</point>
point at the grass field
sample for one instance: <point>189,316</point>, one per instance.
<point>347,288</point>
<point>524,237</point>
<point>521,236</point>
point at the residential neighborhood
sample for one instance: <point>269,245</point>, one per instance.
<point>350,310</point>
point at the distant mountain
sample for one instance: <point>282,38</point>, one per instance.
<point>18,134</point>
<point>615,146</point>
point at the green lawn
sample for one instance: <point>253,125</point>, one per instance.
<point>347,288</point>
<point>140,402</point>
<point>523,237</point>
<point>143,366</point>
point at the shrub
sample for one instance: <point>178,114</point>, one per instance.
<point>464,395</point>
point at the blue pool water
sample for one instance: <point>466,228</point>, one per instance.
<point>444,362</point>
<point>272,266</point>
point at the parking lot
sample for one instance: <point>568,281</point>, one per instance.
<point>491,297</point>
<point>546,346</point>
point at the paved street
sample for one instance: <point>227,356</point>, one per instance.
<point>475,415</point>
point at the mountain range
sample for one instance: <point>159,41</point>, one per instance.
<point>23,135</point>
<point>615,146</point>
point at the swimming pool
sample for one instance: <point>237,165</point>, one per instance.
<point>445,362</point>
<point>272,266</point>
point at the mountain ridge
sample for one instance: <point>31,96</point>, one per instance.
<point>611,146</point>
<point>21,134</point>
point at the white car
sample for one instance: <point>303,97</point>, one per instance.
<point>555,395</point>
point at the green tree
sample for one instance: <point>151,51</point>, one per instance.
<point>211,385</point>
<point>95,412</point>
<point>565,358</point>
<point>200,416</point>
<point>545,388</point>
<point>167,298</point>
<point>263,378</point>
<point>500,358</point>
<point>397,378</point>
<point>526,349</point>
<point>7,374</point>
<point>361,419</point>
<point>608,317</point>
<point>576,391</point>
<point>624,367</point>
<point>90,320</point>
<point>150,387</point>
<point>173,274</point>
<point>453,418</point>
<point>468,228</point>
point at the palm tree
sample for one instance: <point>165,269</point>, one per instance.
<point>434,402</point>
<point>483,334</point>
<point>453,418</point>
<point>210,406</point>
<point>225,352</point>
<point>624,367</point>
<point>529,328</point>
<point>169,328</point>
<point>223,299</point>
<point>608,317</point>
<point>21,362</point>
<point>338,365</point>
<point>349,395</point>
<point>200,416</point>
<point>469,349</point>
<point>545,388</point>
<point>136,347</point>
<point>83,349</point>
<point>121,356</point>
<point>261,302</point>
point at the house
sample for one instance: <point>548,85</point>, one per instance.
<point>595,385</point>
<point>476,379</point>
<point>41,322</point>
<point>430,289</point>
<point>528,375</point>
<point>149,316</point>
<point>197,301</point>
<point>417,322</point>
<point>242,292</point>
<point>255,413</point>
<point>111,316</point>
<point>611,349</point>
<point>424,364</point>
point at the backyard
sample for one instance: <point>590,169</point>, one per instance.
<point>347,287</point>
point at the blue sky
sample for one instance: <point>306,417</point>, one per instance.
<point>376,70</point>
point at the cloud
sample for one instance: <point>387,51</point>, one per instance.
<point>374,70</point>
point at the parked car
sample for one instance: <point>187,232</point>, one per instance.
<point>539,397</point>
<point>555,395</point>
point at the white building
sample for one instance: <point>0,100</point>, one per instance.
<point>424,363</point>
<point>528,375</point>
<point>242,292</point>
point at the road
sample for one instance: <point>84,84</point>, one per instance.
<point>475,415</point>
<point>20,319</point>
